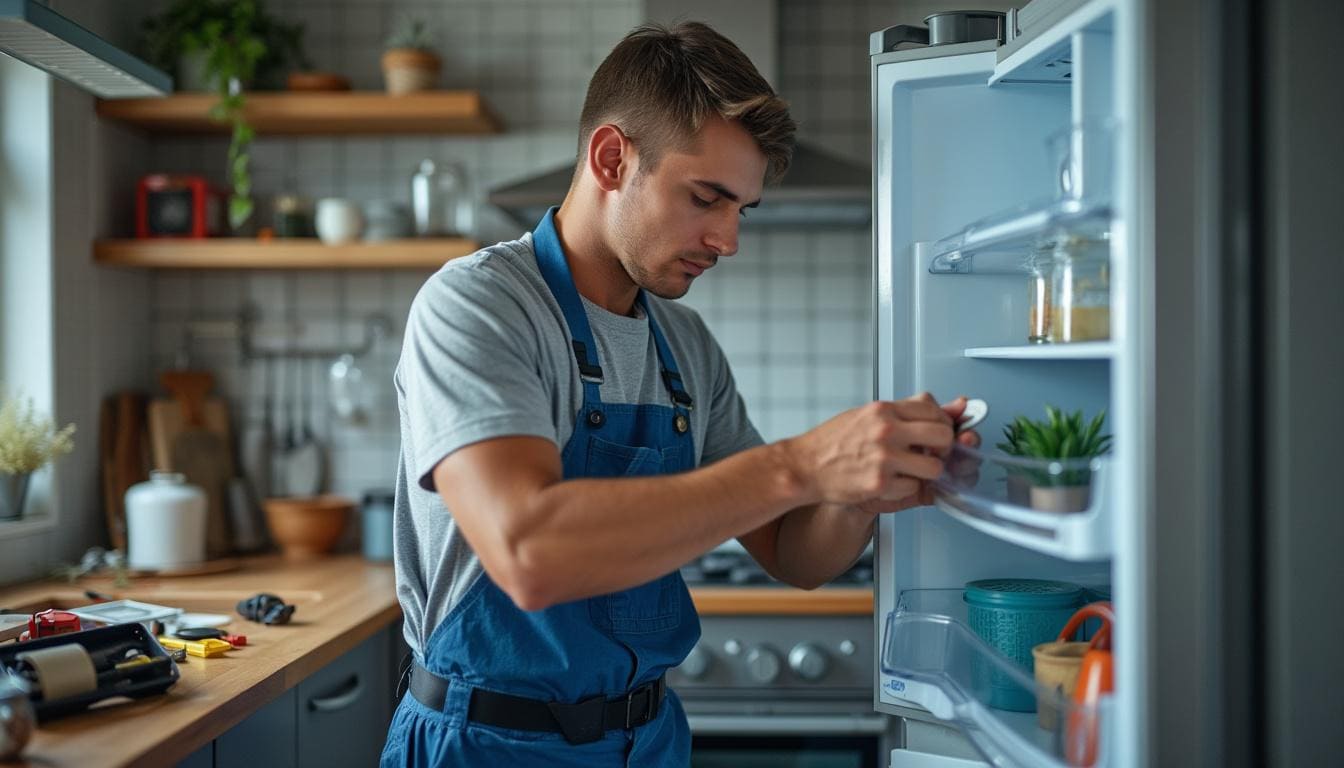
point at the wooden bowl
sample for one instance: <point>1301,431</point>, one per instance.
<point>306,527</point>
<point>317,81</point>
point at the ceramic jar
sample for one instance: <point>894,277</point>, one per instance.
<point>338,220</point>
<point>165,523</point>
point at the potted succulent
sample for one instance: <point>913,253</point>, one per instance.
<point>225,46</point>
<point>410,63</point>
<point>1062,438</point>
<point>28,442</point>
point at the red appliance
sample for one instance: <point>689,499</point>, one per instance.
<point>168,205</point>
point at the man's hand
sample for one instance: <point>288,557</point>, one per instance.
<point>922,495</point>
<point>879,452</point>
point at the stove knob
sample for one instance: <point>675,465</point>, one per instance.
<point>808,661</point>
<point>696,663</point>
<point>762,665</point>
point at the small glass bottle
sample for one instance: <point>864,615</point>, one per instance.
<point>1040,268</point>
<point>1081,303</point>
<point>441,201</point>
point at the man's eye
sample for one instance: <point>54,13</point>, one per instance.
<point>701,202</point>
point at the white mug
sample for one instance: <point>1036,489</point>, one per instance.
<point>338,220</point>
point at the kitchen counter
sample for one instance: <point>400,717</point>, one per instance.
<point>783,601</point>
<point>340,601</point>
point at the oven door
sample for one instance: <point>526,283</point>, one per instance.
<point>790,741</point>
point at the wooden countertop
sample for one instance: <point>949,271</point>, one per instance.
<point>340,602</point>
<point>775,601</point>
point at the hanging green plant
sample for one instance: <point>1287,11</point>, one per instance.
<point>239,44</point>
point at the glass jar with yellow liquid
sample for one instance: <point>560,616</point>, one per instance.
<point>1080,307</point>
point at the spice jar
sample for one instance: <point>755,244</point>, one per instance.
<point>1040,268</point>
<point>440,200</point>
<point>293,217</point>
<point>1081,290</point>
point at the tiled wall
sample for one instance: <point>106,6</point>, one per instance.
<point>792,309</point>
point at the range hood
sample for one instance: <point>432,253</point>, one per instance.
<point>819,190</point>
<point>37,35</point>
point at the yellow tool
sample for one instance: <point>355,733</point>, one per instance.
<point>205,648</point>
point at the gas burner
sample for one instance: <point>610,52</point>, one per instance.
<point>738,569</point>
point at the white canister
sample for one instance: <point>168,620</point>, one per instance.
<point>338,220</point>
<point>165,523</point>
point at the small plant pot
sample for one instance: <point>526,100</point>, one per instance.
<point>1019,490</point>
<point>1057,666</point>
<point>1061,498</point>
<point>407,70</point>
<point>13,493</point>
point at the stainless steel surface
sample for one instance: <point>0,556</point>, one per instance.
<point>37,35</point>
<point>947,28</point>
<point>787,725</point>
<point>742,656</point>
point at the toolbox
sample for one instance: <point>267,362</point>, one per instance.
<point>89,666</point>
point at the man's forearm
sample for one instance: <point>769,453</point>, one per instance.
<point>819,542</point>
<point>587,537</point>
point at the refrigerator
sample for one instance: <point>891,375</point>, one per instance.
<point>1004,270</point>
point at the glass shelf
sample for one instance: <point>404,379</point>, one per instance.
<point>931,659</point>
<point>1002,243</point>
<point>1083,350</point>
<point>1011,499</point>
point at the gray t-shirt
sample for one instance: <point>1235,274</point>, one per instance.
<point>487,354</point>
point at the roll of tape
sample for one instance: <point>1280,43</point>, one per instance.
<point>62,670</point>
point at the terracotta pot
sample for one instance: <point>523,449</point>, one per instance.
<point>1057,666</point>
<point>317,81</point>
<point>1061,498</point>
<point>1019,490</point>
<point>406,70</point>
<point>306,527</point>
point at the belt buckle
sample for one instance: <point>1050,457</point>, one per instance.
<point>650,706</point>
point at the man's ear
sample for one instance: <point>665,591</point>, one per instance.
<point>611,157</point>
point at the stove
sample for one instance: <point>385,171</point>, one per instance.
<point>757,681</point>
<point>733,567</point>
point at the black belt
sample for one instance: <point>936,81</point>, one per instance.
<point>581,722</point>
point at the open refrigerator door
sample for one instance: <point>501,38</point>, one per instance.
<point>1003,192</point>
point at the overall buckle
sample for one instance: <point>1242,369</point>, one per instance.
<point>651,701</point>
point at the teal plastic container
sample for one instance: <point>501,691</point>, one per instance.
<point>1014,616</point>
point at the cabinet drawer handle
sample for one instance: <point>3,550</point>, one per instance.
<point>336,702</point>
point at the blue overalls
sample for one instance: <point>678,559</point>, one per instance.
<point>595,650</point>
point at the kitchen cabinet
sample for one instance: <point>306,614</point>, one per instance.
<point>266,737</point>
<point>337,716</point>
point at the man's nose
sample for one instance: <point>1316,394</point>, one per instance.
<point>722,238</point>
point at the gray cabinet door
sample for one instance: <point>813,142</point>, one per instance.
<point>343,708</point>
<point>265,738</point>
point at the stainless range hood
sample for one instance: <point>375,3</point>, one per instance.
<point>39,36</point>
<point>819,190</point>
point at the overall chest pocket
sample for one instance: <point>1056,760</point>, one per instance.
<point>651,607</point>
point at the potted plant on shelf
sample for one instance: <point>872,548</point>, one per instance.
<point>1061,438</point>
<point>28,442</point>
<point>225,46</point>
<point>410,63</point>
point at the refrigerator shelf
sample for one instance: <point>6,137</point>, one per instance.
<point>1084,350</point>
<point>932,660</point>
<point>992,493</point>
<point>1003,243</point>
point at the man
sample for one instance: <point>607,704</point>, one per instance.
<point>571,437</point>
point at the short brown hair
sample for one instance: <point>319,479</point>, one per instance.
<point>659,84</point>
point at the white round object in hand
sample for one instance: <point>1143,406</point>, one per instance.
<point>338,220</point>
<point>165,523</point>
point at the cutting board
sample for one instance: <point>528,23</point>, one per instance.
<point>194,439</point>
<point>166,422</point>
<point>123,457</point>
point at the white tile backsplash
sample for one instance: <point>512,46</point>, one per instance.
<point>791,310</point>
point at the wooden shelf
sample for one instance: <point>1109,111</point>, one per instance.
<point>313,113</point>
<point>781,600</point>
<point>305,253</point>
